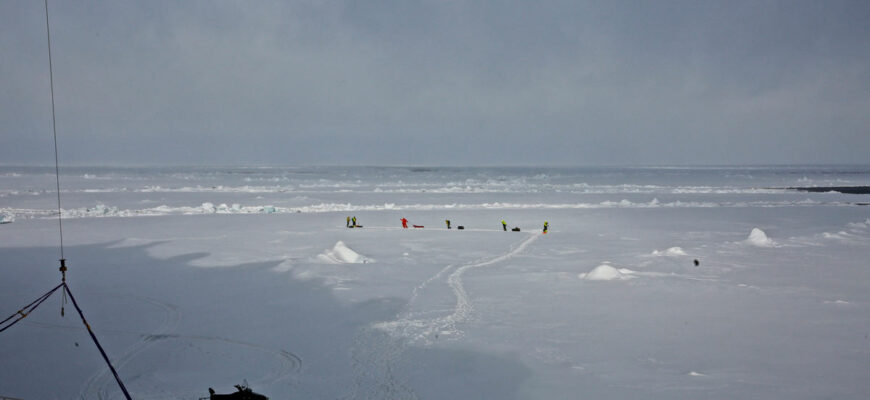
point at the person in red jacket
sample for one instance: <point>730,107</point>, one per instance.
<point>404,222</point>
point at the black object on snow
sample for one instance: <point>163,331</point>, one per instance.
<point>516,229</point>
<point>243,392</point>
<point>840,189</point>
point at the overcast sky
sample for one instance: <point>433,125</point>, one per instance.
<point>437,82</point>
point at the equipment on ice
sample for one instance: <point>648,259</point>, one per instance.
<point>243,392</point>
<point>515,229</point>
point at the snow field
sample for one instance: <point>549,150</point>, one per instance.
<point>607,305</point>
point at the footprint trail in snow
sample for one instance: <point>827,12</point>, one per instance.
<point>424,330</point>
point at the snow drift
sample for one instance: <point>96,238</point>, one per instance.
<point>671,252</point>
<point>606,272</point>
<point>341,254</point>
<point>759,239</point>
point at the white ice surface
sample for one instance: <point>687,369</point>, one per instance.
<point>192,295</point>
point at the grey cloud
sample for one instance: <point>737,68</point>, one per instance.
<point>438,82</point>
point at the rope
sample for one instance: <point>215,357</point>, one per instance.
<point>54,129</point>
<point>97,342</point>
<point>24,311</point>
<point>28,309</point>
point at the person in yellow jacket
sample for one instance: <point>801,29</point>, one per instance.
<point>546,227</point>
<point>504,225</point>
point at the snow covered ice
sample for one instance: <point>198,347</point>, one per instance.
<point>203,277</point>
<point>758,238</point>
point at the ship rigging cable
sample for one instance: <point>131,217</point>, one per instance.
<point>26,310</point>
<point>54,129</point>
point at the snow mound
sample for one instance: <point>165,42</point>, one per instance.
<point>671,252</point>
<point>841,235</point>
<point>285,266</point>
<point>859,225</point>
<point>6,218</point>
<point>759,239</point>
<point>341,254</point>
<point>606,272</point>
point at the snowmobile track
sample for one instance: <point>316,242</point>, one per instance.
<point>426,329</point>
<point>99,385</point>
<point>377,350</point>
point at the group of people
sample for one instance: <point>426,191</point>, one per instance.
<point>503,225</point>
<point>517,229</point>
<point>351,223</point>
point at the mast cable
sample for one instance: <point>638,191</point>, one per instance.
<point>66,291</point>
<point>54,129</point>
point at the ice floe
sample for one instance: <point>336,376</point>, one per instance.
<point>341,254</point>
<point>101,210</point>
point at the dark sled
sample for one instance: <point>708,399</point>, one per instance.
<point>418,226</point>
<point>243,392</point>
<point>516,229</point>
<point>460,227</point>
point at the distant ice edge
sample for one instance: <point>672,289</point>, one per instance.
<point>102,210</point>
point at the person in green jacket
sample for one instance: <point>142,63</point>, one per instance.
<point>504,225</point>
<point>546,227</point>
<point>448,223</point>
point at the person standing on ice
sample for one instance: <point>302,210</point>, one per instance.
<point>504,225</point>
<point>546,226</point>
<point>354,221</point>
<point>448,223</point>
<point>404,223</point>
<point>348,222</point>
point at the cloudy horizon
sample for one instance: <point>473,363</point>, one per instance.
<point>437,83</point>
